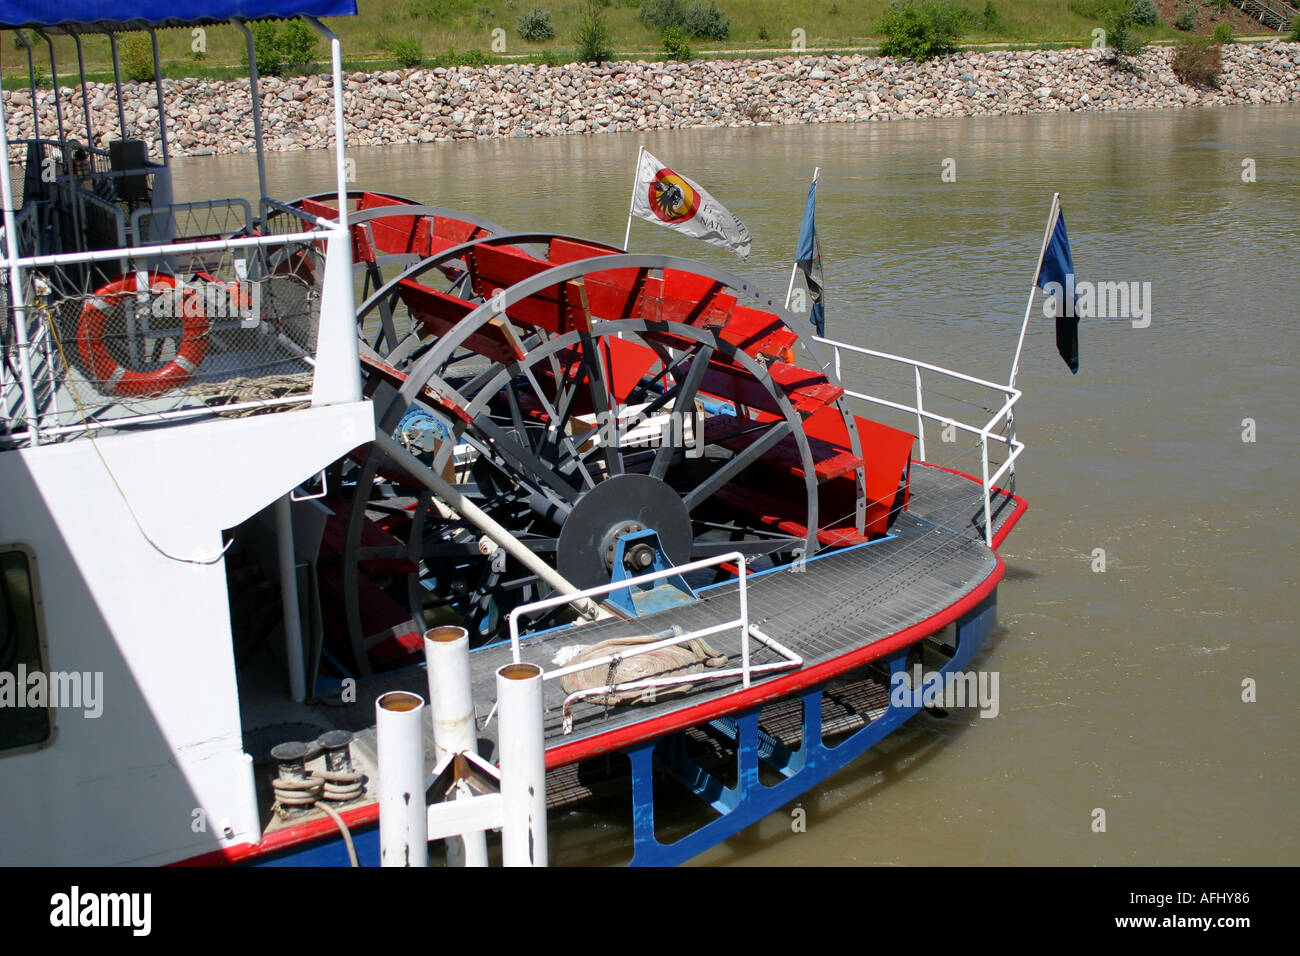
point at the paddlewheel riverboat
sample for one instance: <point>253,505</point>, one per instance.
<point>275,475</point>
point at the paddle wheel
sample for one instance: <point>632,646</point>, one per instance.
<point>577,395</point>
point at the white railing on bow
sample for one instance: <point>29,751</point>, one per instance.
<point>740,623</point>
<point>999,427</point>
<point>31,407</point>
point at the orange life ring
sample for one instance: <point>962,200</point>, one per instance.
<point>122,381</point>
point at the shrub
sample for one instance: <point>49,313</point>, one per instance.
<point>137,57</point>
<point>1197,61</point>
<point>661,14</point>
<point>280,49</point>
<point>1295,31</point>
<point>592,34</point>
<point>1223,33</point>
<point>1145,13</point>
<point>1121,39</point>
<point>989,18</point>
<point>697,19</point>
<point>468,58</point>
<point>297,42</point>
<point>535,25</point>
<point>762,32</point>
<point>921,29</point>
<point>675,44</point>
<point>408,52</point>
<point>1088,9</point>
<point>706,21</point>
<point>1186,20</point>
<point>270,61</point>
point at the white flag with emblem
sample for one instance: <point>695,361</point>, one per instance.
<point>669,199</point>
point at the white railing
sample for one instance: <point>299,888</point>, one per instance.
<point>740,623</point>
<point>988,431</point>
<point>33,405</point>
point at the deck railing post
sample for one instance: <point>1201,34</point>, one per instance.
<point>744,622</point>
<point>920,412</point>
<point>988,509</point>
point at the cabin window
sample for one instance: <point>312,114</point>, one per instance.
<point>25,718</point>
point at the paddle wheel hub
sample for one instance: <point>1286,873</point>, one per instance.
<point>618,506</point>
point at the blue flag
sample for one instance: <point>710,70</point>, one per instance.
<point>808,257</point>
<point>1056,278</point>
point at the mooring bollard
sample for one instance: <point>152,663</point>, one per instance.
<point>403,827</point>
<point>446,651</point>
<point>523,765</point>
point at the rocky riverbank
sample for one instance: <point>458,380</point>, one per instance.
<point>426,106</point>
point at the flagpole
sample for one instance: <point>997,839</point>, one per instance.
<point>636,178</point>
<point>1029,306</point>
<point>789,291</point>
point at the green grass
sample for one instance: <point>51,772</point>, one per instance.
<point>462,25</point>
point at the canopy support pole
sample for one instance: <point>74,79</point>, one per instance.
<point>257,108</point>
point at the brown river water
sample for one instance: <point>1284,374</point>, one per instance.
<point>1120,690</point>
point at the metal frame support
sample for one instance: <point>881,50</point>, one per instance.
<point>117,85</point>
<point>256,96</point>
<point>158,91</point>
<point>85,94</point>
<point>21,37</point>
<point>813,761</point>
<point>54,83</point>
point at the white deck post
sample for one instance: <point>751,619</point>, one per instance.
<point>16,285</point>
<point>403,823</point>
<point>523,765</point>
<point>446,652</point>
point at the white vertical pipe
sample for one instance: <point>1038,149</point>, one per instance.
<point>744,620</point>
<point>289,600</point>
<point>16,282</point>
<point>523,765</point>
<point>403,817</point>
<point>984,465</point>
<point>636,181</point>
<point>920,411</point>
<point>794,269</point>
<point>340,126</point>
<point>446,652</point>
<point>789,289</point>
<point>1033,286</point>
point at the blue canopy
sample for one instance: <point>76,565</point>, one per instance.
<point>124,14</point>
